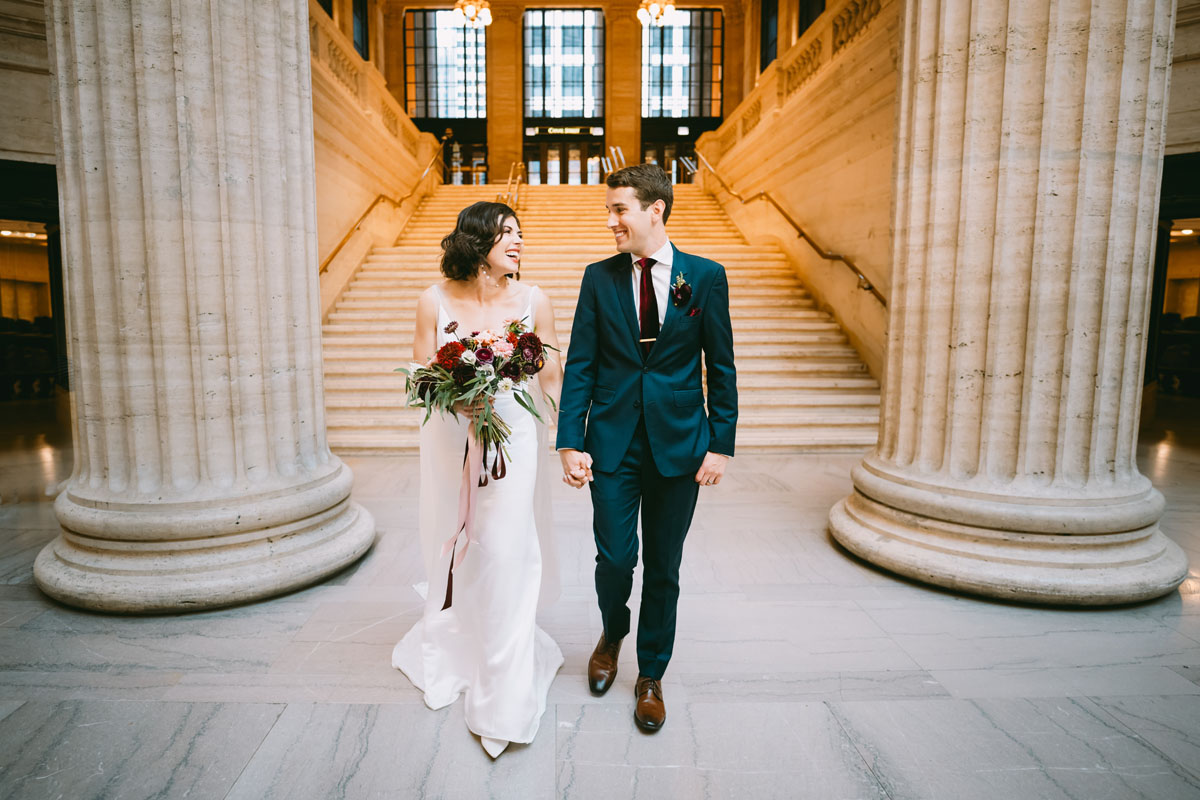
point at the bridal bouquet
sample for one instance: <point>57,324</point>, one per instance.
<point>472,370</point>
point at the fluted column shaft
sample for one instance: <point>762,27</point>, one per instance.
<point>1026,199</point>
<point>185,161</point>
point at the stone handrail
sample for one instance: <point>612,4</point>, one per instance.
<point>383,198</point>
<point>863,282</point>
<point>333,51</point>
<point>779,82</point>
<point>776,89</point>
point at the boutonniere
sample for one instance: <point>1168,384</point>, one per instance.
<point>681,291</point>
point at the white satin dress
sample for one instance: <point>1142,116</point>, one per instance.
<point>487,644</point>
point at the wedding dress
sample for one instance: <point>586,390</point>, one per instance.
<point>487,644</point>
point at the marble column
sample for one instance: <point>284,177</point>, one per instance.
<point>1028,160</point>
<point>185,163</point>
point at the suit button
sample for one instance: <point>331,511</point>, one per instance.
<point>645,369</point>
<point>637,403</point>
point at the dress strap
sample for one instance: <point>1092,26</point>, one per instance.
<point>441,301</point>
<point>529,307</point>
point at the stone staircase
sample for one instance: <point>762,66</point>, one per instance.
<point>801,385</point>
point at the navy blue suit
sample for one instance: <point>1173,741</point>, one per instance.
<point>643,421</point>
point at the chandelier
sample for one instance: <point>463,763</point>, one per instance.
<point>473,13</point>
<point>654,13</point>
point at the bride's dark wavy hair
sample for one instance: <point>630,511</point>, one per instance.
<point>477,231</point>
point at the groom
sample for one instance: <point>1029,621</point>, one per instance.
<point>632,423</point>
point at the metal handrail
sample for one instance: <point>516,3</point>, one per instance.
<point>863,282</point>
<point>511,195</point>
<point>437,156</point>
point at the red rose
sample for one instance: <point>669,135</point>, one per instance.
<point>448,355</point>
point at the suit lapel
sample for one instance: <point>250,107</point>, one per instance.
<point>679,267</point>
<point>622,273</point>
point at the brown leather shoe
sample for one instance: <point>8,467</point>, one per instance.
<point>650,712</point>
<point>602,666</point>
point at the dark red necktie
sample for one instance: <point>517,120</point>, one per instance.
<point>647,306</point>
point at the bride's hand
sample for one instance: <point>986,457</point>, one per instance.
<point>473,409</point>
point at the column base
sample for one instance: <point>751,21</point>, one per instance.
<point>173,573</point>
<point>1093,569</point>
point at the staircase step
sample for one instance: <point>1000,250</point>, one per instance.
<point>801,385</point>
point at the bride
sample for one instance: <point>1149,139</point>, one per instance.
<point>478,634</point>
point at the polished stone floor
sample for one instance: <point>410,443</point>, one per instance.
<point>799,671</point>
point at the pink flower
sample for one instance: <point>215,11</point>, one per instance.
<point>502,348</point>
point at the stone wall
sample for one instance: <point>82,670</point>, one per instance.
<point>817,132</point>
<point>1183,108</point>
<point>366,146</point>
<point>26,129</point>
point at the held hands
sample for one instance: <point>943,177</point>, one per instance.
<point>712,470</point>
<point>577,467</point>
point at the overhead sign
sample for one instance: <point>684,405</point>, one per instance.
<point>555,131</point>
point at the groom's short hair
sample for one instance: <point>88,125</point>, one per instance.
<point>648,182</point>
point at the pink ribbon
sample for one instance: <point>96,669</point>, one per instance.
<point>472,466</point>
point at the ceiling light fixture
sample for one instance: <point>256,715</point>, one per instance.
<point>473,13</point>
<point>657,14</point>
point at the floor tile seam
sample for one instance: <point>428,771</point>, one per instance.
<point>698,768</point>
<point>1038,695</point>
<point>266,734</point>
<point>1180,769</point>
<point>1050,773</point>
<point>854,743</point>
<point>891,637</point>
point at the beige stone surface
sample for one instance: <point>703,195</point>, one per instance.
<point>364,144</point>
<point>1183,109</point>
<point>623,94</point>
<point>505,90</point>
<point>26,129</point>
<point>1026,207</point>
<point>202,475</point>
<point>817,132</point>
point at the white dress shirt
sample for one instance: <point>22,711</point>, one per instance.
<point>660,275</point>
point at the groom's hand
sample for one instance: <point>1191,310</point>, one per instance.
<point>577,467</point>
<point>712,470</point>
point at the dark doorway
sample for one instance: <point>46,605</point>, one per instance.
<point>564,154</point>
<point>1173,335</point>
<point>33,344</point>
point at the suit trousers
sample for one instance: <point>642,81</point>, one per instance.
<point>667,505</point>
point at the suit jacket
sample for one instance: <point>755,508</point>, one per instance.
<point>608,383</point>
